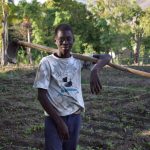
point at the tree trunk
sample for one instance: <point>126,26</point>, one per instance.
<point>4,36</point>
<point>136,52</point>
<point>29,49</point>
<point>138,42</point>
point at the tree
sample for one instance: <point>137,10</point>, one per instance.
<point>125,19</point>
<point>4,32</point>
<point>27,14</point>
<point>26,27</point>
<point>107,24</point>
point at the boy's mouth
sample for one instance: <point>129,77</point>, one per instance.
<point>65,47</point>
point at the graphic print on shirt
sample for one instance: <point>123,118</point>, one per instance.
<point>64,74</point>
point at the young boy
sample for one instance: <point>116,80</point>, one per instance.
<point>58,81</point>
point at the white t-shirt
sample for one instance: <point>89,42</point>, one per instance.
<point>61,77</point>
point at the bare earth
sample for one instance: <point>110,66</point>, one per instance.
<point>117,119</point>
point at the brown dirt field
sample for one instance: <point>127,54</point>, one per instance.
<point>117,119</point>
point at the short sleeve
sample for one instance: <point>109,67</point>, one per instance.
<point>42,79</point>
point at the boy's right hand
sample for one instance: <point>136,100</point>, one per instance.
<point>62,130</point>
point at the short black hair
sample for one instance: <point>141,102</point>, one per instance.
<point>63,27</point>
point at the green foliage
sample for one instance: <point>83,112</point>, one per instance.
<point>37,33</point>
<point>61,17</point>
<point>108,25</point>
<point>77,44</point>
<point>22,57</point>
<point>37,56</point>
<point>35,128</point>
<point>88,48</point>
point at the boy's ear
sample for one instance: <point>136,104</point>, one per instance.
<point>55,40</point>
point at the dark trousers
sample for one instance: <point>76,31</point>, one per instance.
<point>52,139</point>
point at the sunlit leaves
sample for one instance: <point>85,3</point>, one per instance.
<point>60,17</point>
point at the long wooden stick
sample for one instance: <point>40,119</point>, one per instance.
<point>85,58</point>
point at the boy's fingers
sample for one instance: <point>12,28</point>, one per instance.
<point>64,136</point>
<point>95,85</point>
<point>98,81</point>
<point>92,91</point>
<point>100,86</point>
<point>96,88</point>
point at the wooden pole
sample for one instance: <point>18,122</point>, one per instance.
<point>85,58</point>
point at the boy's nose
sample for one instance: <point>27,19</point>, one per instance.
<point>65,42</point>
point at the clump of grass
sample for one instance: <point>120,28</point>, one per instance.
<point>3,88</point>
<point>34,128</point>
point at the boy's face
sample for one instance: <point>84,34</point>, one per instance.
<point>64,41</point>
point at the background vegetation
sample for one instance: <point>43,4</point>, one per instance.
<point>114,26</point>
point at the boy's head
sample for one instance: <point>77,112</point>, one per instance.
<point>64,39</point>
<point>63,27</point>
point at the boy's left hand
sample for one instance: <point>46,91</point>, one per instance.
<point>94,79</point>
<point>95,84</point>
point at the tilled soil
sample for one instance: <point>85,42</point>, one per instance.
<point>117,119</point>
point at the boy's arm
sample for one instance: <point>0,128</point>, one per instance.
<point>60,125</point>
<point>95,84</point>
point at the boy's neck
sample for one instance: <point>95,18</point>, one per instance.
<point>59,55</point>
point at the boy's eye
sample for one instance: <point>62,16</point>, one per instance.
<point>65,39</point>
<point>69,39</point>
